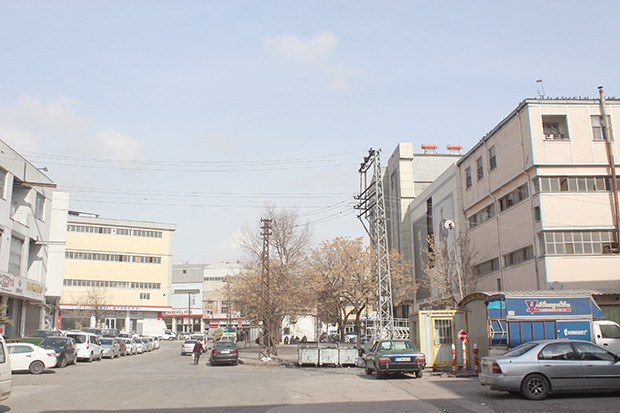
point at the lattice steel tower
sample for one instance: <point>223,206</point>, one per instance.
<point>372,210</point>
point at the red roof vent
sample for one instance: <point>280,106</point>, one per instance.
<point>454,148</point>
<point>429,147</point>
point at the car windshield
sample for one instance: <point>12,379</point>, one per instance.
<point>79,338</point>
<point>520,350</point>
<point>396,345</point>
<point>53,343</point>
<point>224,344</point>
<point>105,341</point>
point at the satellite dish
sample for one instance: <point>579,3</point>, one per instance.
<point>448,224</point>
<point>556,285</point>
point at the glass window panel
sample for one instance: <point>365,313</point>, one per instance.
<point>581,181</point>
<point>578,248</point>
<point>569,248</point>
<point>576,236</point>
<point>568,236</point>
<point>572,184</point>
<point>587,248</point>
<point>598,248</point>
<point>545,184</point>
<point>596,236</point>
<point>605,236</point>
<point>586,236</point>
<point>559,248</point>
<point>555,184</point>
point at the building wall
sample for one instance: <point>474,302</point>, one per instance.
<point>25,219</point>
<point>526,156</point>
<point>137,284</point>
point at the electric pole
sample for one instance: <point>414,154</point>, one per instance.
<point>372,206</point>
<point>266,345</point>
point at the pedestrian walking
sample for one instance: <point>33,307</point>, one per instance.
<point>198,350</point>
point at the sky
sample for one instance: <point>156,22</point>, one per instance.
<point>202,113</point>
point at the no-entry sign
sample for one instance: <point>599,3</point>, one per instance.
<point>462,335</point>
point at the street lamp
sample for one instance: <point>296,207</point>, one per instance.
<point>189,292</point>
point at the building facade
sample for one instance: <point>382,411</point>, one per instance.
<point>538,196</point>
<point>30,274</point>
<point>116,272</point>
<point>200,301</point>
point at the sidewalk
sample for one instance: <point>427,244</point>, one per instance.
<point>249,355</point>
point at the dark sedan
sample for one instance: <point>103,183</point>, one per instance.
<point>538,368</point>
<point>224,352</point>
<point>64,347</point>
<point>394,356</point>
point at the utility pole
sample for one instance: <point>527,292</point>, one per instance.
<point>372,206</point>
<point>266,345</point>
<point>612,165</point>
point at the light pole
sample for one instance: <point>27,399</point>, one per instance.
<point>189,292</point>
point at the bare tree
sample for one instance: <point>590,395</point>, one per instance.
<point>94,302</point>
<point>449,274</point>
<point>289,243</point>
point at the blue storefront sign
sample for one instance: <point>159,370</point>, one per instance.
<point>575,330</point>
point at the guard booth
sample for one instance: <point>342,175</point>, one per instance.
<point>434,332</point>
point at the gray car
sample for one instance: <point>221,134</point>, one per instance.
<point>537,368</point>
<point>110,347</point>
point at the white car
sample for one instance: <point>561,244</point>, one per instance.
<point>140,346</point>
<point>87,345</point>
<point>155,342</point>
<point>30,357</point>
<point>131,347</point>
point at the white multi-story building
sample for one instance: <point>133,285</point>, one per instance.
<point>538,195</point>
<point>32,220</point>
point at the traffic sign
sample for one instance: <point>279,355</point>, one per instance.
<point>462,335</point>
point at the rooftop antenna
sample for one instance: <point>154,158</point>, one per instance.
<point>541,92</point>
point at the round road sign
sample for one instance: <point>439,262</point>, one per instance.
<point>462,335</point>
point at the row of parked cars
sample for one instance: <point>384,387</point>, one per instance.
<point>59,349</point>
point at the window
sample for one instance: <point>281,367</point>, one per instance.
<point>481,216</point>
<point>492,159</point>
<point>588,351</point>
<point>537,214</point>
<point>486,267</point>
<point>558,351</point>
<point>15,256</point>
<point>39,206</point>
<point>513,198</point>
<point>555,127</point>
<point>145,296</point>
<point>572,184</point>
<point>577,243</point>
<point>468,177</point>
<point>479,168</point>
<point>597,127</point>
<point>519,256</point>
<point>2,183</point>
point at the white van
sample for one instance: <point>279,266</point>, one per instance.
<point>87,344</point>
<point>606,333</point>
<point>6,381</point>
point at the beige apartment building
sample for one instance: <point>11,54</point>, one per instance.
<point>117,272</point>
<point>537,194</point>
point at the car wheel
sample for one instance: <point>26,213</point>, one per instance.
<point>37,367</point>
<point>378,374</point>
<point>62,362</point>
<point>418,373</point>
<point>367,369</point>
<point>535,387</point>
<point>74,360</point>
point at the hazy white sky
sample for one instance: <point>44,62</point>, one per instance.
<point>198,113</point>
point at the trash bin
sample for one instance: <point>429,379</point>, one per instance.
<point>347,356</point>
<point>307,355</point>
<point>328,355</point>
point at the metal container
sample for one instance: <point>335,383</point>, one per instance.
<point>347,356</point>
<point>328,355</point>
<point>308,355</point>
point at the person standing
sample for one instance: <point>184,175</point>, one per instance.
<point>198,350</point>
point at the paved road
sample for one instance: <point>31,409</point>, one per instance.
<point>165,382</point>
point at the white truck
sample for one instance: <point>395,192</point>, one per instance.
<point>154,328</point>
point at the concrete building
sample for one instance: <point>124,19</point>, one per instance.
<point>406,176</point>
<point>538,196</point>
<point>199,299</point>
<point>116,272</point>
<point>31,244</point>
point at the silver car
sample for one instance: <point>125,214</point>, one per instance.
<point>537,368</point>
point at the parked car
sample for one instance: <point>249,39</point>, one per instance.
<point>156,342</point>
<point>131,348</point>
<point>6,379</point>
<point>87,344</point>
<point>538,368</point>
<point>64,349</point>
<point>228,338</point>
<point>140,345</point>
<point>224,352</point>
<point>110,348</point>
<point>148,342</point>
<point>110,332</point>
<point>394,356</point>
<point>30,357</point>
<point>187,348</point>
